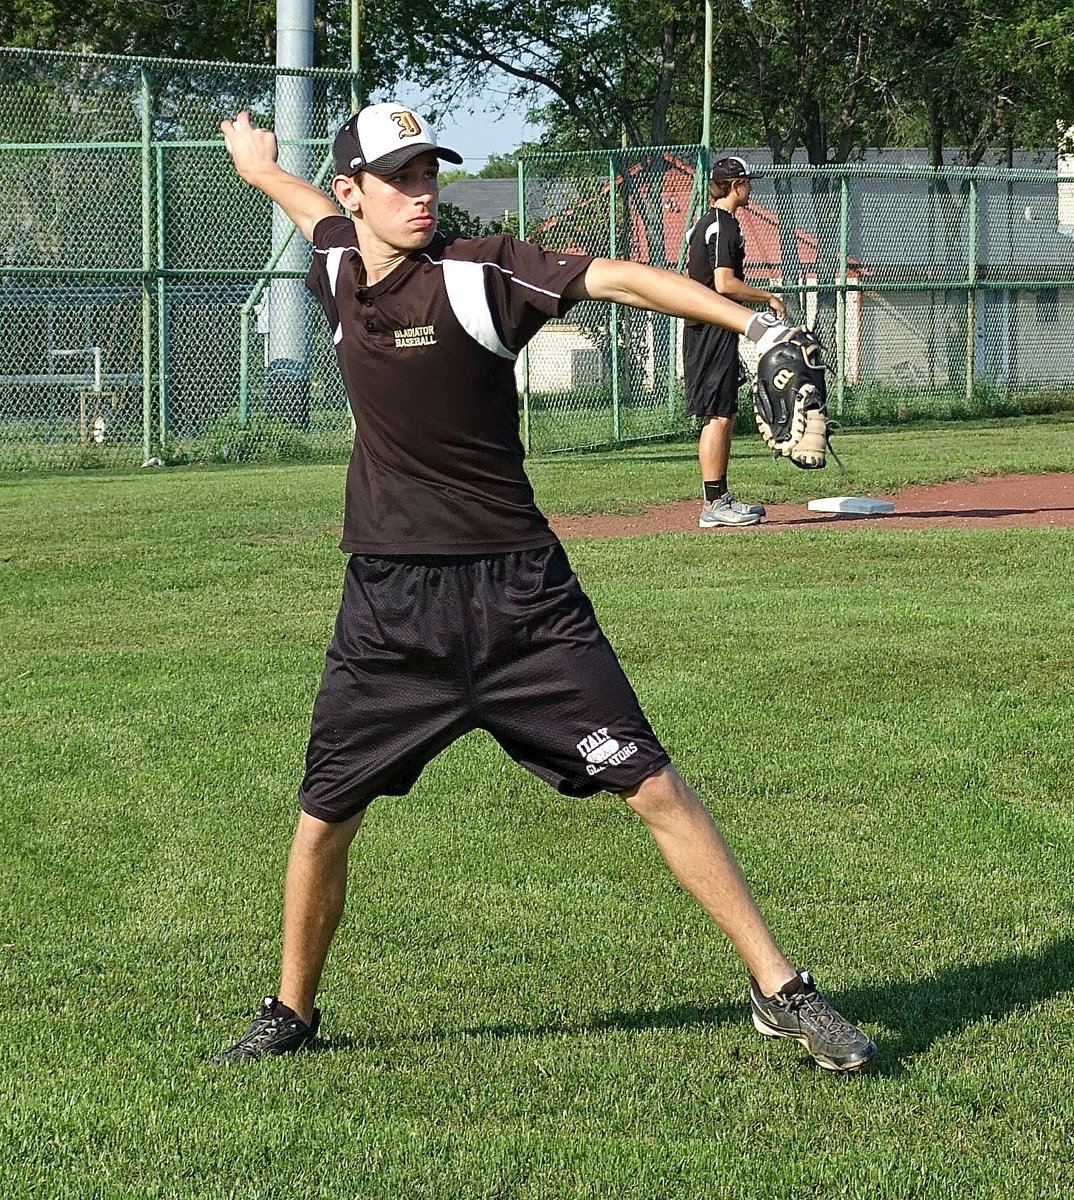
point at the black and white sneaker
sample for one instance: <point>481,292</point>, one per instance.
<point>275,1030</point>
<point>799,1011</point>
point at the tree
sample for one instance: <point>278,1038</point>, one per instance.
<point>453,221</point>
<point>983,76</point>
<point>499,166</point>
<point>216,30</point>
<point>188,28</point>
<point>597,74</point>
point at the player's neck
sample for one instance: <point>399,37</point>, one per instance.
<point>379,260</point>
<point>380,255</point>
<point>728,204</point>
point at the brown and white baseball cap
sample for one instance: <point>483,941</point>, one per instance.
<point>732,168</point>
<point>384,137</point>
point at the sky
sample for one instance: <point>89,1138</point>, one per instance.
<point>477,135</point>
<point>481,135</point>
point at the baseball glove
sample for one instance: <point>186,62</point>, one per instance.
<point>791,400</point>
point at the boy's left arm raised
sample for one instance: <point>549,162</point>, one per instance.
<point>253,151</point>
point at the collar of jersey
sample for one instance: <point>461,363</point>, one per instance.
<point>432,253</point>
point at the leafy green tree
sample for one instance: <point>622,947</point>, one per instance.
<point>982,76</point>
<point>597,74</point>
<point>499,166</point>
<point>820,76</point>
<point>453,176</point>
<point>190,28</point>
<point>457,222</point>
<point>216,30</point>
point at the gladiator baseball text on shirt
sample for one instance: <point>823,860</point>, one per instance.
<point>421,335</point>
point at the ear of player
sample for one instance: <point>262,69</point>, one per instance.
<point>791,397</point>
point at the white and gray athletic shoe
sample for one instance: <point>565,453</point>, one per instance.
<point>806,1016</point>
<point>726,511</point>
<point>741,506</point>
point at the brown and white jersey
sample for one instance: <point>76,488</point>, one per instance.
<point>427,357</point>
<point>716,241</point>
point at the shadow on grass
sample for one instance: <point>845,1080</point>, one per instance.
<point>920,1013</point>
<point>923,1012</point>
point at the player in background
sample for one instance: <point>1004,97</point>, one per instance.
<point>460,609</point>
<point>714,372</point>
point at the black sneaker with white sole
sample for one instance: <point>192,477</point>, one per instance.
<point>275,1030</point>
<point>800,1012</point>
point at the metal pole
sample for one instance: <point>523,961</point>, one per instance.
<point>244,366</point>
<point>841,299</point>
<point>288,340</point>
<point>527,433</point>
<point>147,263</point>
<point>613,252</point>
<point>256,292</point>
<point>163,346</point>
<point>706,102</point>
<point>356,55</point>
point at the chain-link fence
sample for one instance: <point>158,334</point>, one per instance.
<point>607,373</point>
<point>938,293</point>
<point>152,304</point>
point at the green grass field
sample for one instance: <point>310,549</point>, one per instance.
<point>521,1004</point>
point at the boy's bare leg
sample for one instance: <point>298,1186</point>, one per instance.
<point>784,1003</point>
<point>714,447</point>
<point>314,894</point>
<point>702,862</point>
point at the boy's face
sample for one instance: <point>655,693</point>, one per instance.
<point>398,210</point>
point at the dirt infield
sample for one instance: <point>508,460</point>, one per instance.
<point>1000,502</point>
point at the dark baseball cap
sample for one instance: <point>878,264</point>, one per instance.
<point>732,168</point>
<point>384,137</point>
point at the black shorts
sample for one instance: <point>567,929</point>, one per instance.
<point>427,649</point>
<point>713,371</point>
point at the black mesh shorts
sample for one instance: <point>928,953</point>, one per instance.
<point>427,649</point>
<point>713,371</point>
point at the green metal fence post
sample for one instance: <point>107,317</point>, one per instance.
<point>163,340</point>
<point>244,366</point>
<point>613,252</point>
<point>841,300</point>
<point>527,432</point>
<point>148,273</point>
<point>706,87</point>
<point>971,290</point>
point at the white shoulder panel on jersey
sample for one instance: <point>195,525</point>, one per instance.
<point>333,258</point>
<point>465,283</point>
<point>713,229</point>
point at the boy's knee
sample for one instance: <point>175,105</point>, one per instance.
<point>316,837</point>
<point>664,791</point>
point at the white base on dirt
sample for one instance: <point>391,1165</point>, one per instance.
<point>862,505</point>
